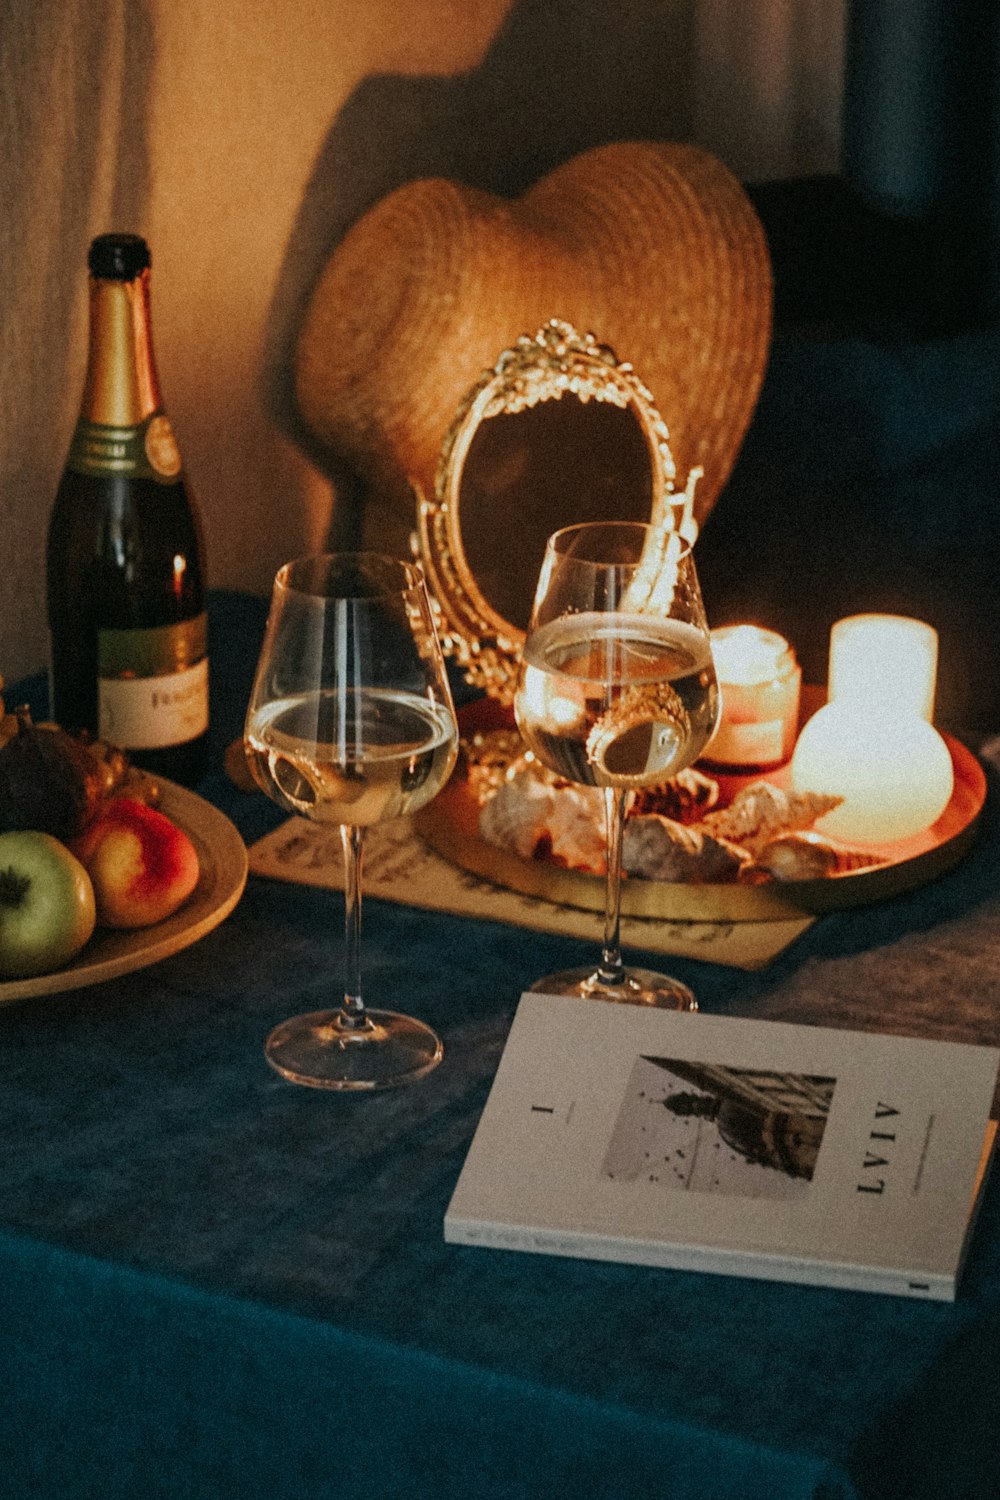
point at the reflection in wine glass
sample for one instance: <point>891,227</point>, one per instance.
<point>351,721</point>
<point>617,689</point>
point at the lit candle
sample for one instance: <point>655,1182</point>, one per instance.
<point>759,684</point>
<point>873,743</point>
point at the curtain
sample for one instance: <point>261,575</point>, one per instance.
<point>74,76</point>
<point>767,83</point>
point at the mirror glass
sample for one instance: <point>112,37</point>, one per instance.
<point>528,473</point>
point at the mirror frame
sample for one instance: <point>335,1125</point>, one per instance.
<point>556,362</point>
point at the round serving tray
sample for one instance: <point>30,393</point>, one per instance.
<point>450,826</point>
<point>222,860</point>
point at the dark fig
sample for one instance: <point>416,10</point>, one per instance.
<point>48,781</point>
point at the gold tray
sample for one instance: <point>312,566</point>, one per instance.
<point>450,823</point>
<point>222,859</point>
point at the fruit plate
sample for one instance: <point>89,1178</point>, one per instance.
<point>450,824</point>
<point>222,859</point>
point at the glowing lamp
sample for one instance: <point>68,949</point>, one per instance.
<point>873,743</point>
<point>759,685</point>
<point>894,774</point>
<point>885,661</point>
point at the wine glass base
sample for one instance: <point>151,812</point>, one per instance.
<point>636,987</point>
<point>319,1050</point>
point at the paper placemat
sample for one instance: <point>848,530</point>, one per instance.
<point>399,866</point>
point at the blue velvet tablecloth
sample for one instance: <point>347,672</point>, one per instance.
<point>216,1284</point>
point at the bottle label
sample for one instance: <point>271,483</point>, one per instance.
<point>148,451</point>
<point>152,685</point>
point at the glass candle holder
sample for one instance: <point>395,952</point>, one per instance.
<point>760,682</point>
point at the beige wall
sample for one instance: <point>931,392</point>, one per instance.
<point>236,149</point>
<point>197,123</point>
<point>72,155</point>
<point>242,137</point>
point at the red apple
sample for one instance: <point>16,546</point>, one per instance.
<point>141,864</point>
<point>46,904</point>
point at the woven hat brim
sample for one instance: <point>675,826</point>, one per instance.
<point>654,247</point>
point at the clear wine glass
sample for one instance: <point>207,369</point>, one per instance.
<point>617,690</point>
<point>351,722</point>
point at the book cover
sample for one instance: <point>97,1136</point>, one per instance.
<point>751,1148</point>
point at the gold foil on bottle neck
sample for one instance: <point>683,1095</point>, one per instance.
<point>121,388</point>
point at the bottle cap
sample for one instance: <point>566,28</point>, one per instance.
<point>118,257</point>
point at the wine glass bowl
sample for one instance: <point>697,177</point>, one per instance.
<point>351,722</point>
<point>617,690</point>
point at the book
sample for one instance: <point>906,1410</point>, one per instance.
<point>749,1148</point>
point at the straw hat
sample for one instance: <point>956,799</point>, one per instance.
<point>653,247</point>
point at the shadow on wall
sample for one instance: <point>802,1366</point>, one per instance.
<point>870,471</point>
<point>560,76</point>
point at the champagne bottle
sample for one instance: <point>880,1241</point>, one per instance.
<point>125,574</point>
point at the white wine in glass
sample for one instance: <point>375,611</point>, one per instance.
<point>351,722</point>
<point>617,690</point>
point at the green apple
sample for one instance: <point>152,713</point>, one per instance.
<point>47,908</point>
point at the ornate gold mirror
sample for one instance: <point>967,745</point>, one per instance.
<point>558,431</point>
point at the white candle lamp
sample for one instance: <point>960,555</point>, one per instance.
<point>759,685</point>
<point>885,661</point>
<point>873,743</point>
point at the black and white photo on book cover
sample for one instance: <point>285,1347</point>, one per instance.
<point>754,1148</point>
<point>709,1128</point>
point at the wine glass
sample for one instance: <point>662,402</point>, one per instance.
<point>350,721</point>
<point>616,689</point>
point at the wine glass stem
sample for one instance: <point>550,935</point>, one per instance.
<point>612,970</point>
<point>353,1016</point>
